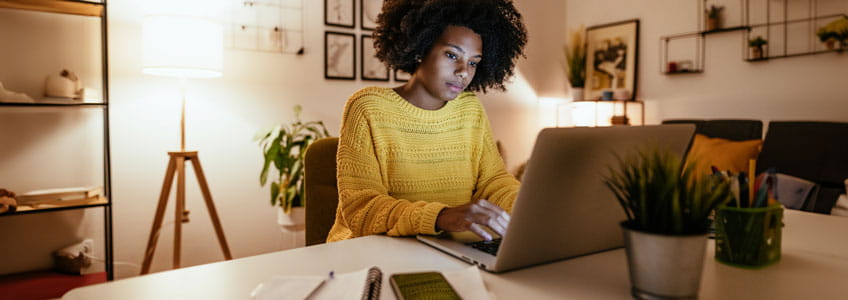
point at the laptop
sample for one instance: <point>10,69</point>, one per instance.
<point>563,208</point>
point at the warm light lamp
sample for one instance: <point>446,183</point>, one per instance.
<point>183,47</point>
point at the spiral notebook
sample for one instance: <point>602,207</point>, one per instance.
<point>364,284</point>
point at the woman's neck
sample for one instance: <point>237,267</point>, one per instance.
<point>417,95</point>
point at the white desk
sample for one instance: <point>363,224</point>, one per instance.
<point>814,265</point>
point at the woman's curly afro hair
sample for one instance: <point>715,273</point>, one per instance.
<point>407,29</point>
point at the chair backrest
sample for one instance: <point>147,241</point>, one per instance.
<point>321,190</point>
<point>735,130</point>
<point>815,151</point>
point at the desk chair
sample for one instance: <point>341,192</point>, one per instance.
<point>321,190</point>
<point>815,151</point>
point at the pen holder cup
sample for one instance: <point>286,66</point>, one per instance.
<point>748,237</point>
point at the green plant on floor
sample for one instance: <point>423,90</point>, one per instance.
<point>575,58</point>
<point>285,147</point>
<point>660,195</point>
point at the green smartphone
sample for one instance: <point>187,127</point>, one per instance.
<point>423,285</point>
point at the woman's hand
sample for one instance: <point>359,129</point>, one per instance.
<point>473,216</point>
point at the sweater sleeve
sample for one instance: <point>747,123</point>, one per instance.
<point>494,183</point>
<point>365,207</point>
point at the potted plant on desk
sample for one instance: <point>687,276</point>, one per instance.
<point>756,45</point>
<point>668,212</point>
<point>285,147</point>
<point>575,69</point>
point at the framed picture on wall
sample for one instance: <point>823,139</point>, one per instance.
<point>339,13</point>
<point>339,55</point>
<point>401,76</point>
<point>612,55</point>
<point>372,67</point>
<point>369,10</point>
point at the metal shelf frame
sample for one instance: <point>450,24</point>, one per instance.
<point>87,9</point>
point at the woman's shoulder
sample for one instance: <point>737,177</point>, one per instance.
<point>468,100</point>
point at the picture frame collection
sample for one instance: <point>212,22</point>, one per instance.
<point>340,42</point>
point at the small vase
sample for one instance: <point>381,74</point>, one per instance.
<point>756,53</point>
<point>295,220</point>
<point>577,94</point>
<point>713,24</point>
<point>664,266</point>
<point>831,44</point>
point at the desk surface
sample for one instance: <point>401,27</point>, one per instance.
<point>814,263</point>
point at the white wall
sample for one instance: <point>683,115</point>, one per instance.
<point>799,88</point>
<point>257,90</point>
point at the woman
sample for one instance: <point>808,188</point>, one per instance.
<point>420,158</point>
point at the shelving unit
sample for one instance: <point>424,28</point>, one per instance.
<point>82,9</point>
<point>813,21</point>
<point>615,103</point>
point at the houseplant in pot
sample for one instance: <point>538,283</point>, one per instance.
<point>756,45</point>
<point>668,210</point>
<point>834,34</point>
<point>714,17</point>
<point>575,68</point>
<point>284,148</point>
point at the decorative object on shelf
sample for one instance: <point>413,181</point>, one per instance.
<point>575,59</point>
<point>285,147</point>
<point>756,45</point>
<point>370,9</point>
<point>8,204</point>
<point>714,17</point>
<point>372,68</point>
<point>667,211</point>
<point>75,195</point>
<point>611,58</point>
<point>339,13</point>
<point>12,96</point>
<point>66,84</point>
<point>606,95</point>
<point>184,47</point>
<point>339,55</point>
<point>834,34</point>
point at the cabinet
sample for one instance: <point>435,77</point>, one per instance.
<point>40,37</point>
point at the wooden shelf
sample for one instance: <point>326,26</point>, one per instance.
<point>50,104</point>
<point>70,7</point>
<point>23,210</point>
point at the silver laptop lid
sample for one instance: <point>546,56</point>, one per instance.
<point>563,208</point>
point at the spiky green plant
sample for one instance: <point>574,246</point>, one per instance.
<point>660,195</point>
<point>285,146</point>
<point>575,59</point>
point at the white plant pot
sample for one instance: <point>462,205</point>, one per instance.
<point>577,94</point>
<point>664,266</point>
<point>295,220</point>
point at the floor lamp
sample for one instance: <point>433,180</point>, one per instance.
<point>182,47</point>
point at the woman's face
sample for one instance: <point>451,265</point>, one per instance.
<point>451,63</point>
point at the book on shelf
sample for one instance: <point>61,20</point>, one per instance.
<point>61,196</point>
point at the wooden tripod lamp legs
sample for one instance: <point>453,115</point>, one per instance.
<point>176,164</point>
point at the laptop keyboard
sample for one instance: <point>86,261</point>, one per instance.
<point>490,247</point>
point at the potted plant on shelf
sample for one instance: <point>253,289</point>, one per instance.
<point>833,33</point>
<point>756,45</point>
<point>668,210</point>
<point>714,17</point>
<point>284,146</point>
<point>575,69</point>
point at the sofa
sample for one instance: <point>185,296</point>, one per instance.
<point>815,151</point>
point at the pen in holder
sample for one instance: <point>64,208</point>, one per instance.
<point>748,237</point>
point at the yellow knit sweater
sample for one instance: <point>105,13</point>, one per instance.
<point>400,165</point>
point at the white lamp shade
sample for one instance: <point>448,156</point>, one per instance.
<point>182,46</point>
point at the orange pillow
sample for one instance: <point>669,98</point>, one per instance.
<point>724,154</point>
